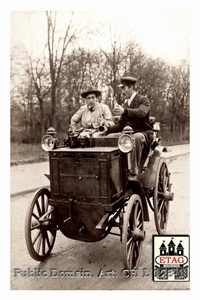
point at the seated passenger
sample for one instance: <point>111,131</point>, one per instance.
<point>134,113</point>
<point>93,114</point>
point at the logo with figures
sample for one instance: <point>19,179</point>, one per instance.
<point>171,258</point>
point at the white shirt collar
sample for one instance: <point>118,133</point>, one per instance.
<point>132,97</point>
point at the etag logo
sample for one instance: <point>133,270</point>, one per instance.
<point>171,258</point>
<point>174,260</point>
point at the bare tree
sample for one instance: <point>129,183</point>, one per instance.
<point>39,77</point>
<point>178,97</point>
<point>113,65</point>
<point>57,48</point>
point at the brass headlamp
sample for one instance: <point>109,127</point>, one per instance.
<point>50,140</point>
<point>126,142</point>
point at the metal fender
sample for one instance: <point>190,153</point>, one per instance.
<point>137,189</point>
<point>147,177</point>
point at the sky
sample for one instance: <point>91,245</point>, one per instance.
<point>161,33</point>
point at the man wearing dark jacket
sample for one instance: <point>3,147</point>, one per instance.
<point>134,113</point>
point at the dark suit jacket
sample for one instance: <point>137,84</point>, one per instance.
<point>136,116</point>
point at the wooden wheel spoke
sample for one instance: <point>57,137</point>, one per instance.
<point>48,241</point>
<point>130,231</point>
<point>43,242</point>
<point>131,222</point>
<point>136,213</point>
<point>43,204</point>
<point>39,243</point>
<point>129,241</point>
<point>162,213</point>
<point>165,179</point>
<point>38,208</point>
<point>35,227</point>
<point>162,172</point>
<point>130,247</point>
<point>162,221</point>
<point>160,206</point>
<point>36,217</point>
<point>36,237</point>
<point>135,216</point>
<point>136,249</point>
<point>134,252</point>
<point>165,183</point>
<point>46,207</point>
<point>138,218</point>
<point>140,224</point>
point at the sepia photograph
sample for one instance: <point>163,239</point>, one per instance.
<point>100,148</point>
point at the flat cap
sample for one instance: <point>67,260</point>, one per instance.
<point>91,90</point>
<point>128,80</point>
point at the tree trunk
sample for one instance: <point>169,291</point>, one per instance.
<point>53,107</point>
<point>180,132</point>
<point>172,127</point>
<point>42,121</point>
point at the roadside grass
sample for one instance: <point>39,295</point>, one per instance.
<point>22,153</point>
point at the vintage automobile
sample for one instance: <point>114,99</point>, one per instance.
<point>90,193</point>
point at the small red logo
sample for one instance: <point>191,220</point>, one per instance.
<point>169,260</point>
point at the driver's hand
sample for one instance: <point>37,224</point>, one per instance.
<point>118,109</point>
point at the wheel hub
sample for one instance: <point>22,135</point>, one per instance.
<point>138,234</point>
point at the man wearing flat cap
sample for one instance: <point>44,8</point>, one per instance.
<point>93,114</point>
<point>134,113</point>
